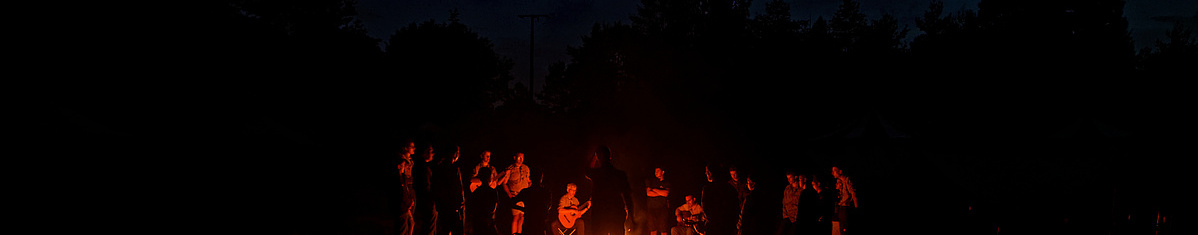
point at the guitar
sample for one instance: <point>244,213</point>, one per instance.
<point>567,216</point>
<point>695,222</point>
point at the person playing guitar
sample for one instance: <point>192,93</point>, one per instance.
<point>569,212</point>
<point>691,215</point>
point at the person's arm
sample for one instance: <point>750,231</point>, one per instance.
<point>503,182</point>
<point>506,173</point>
<point>663,192</point>
<point>852,192</point>
<point>649,192</point>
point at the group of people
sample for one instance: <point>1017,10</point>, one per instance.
<point>809,205</point>
<point>435,198</point>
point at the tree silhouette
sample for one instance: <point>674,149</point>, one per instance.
<point>448,72</point>
<point>1175,56</point>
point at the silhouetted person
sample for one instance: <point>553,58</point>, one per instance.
<point>569,214</point>
<point>404,198</point>
<point>847,200</point>
<point>827,204</point>
<point>516,178</point>
<point>536,205</point>
<point>451,198</point>
<point>612,195</point>
<point>755,215</point>
<point>425,212</point>
<point>717,197</point>
<point>790,205</point>
<point>741,190</point>
<point>657,188</point>
<point>480,207</point>
<point>809,207</point>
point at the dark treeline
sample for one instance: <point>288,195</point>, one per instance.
<point>1039,114</point>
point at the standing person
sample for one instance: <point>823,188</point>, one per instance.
<point>612,195</point>
<point>809,208</point>
<point>485,162</point>
<point>847,200</point>
<point>404,198</point>
<point>717,195</point>
<point>481,206</point>
<point>755,215</point>
<point>515,179</point>
<point>451,199</point>
<point>569,214</point>
<point>790,205</point>
<point>827,204</point>
<point>658,191</point>
<point>425,212</point>
<point>742,191</point>
<point>536,205</point>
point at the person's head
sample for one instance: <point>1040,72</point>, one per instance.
<point>602,157</point>
<point>690,199</point>
<point>732,173</point>
<point>815,183</point>
<point>519,158</point>
<point>836,171</point>
<point>571,189</point>
<point>428,153</point>
<point>659,173</point>
<point>407,149</point>
<point>486,157</point>
<point>792,178</point>
<point>707,172</point>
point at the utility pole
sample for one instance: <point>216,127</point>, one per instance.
<point>531,32</point>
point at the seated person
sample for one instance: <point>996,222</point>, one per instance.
<point>568,214</point>
<point>689,216</point>
<point>695,212</point>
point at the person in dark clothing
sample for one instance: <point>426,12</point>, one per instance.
<point>403,198</point>
<point>425,212</point>
<point>481,206</point>
<point>657,189</point>
<point>809,208</point>
<point>827,204</point>
<point>717,193</point>
<point>451,198</point>
<point>612,195</point>
<point>757,215</point>
<point>536,205</point>
<point>742,191</point>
